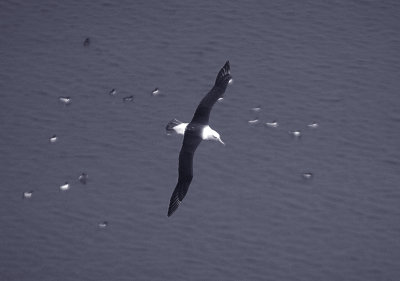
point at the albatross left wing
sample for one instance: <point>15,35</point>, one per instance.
<point>202,114</point>
<point>189,146</point>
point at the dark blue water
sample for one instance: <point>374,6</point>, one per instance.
<point>249,213</point>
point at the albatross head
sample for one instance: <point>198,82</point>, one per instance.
<point>210,134</point>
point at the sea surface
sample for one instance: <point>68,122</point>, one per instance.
<point>250,213</point>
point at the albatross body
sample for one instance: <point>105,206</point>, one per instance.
<point>194,132</point>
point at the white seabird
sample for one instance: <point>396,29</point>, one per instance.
<point>296,134</point>
<point>272,124</point>
<point>65,100</point>
<point>27,194</point>
<point>65,186</point>
<point>53,138</point>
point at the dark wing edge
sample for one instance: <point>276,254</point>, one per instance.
<point>224,75</point>
<point>174,202</point>
<point>203,110</point>
<point>190,144</point>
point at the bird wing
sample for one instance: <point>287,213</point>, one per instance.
<point>202,113</point>
<point>190,143</point>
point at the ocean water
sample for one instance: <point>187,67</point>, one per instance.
<point>249,213</point>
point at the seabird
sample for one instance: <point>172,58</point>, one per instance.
<point>27,194</point>
<point>313,125</point>
<point>256,109</point>
<point>86,43</point>
<point>53,139</point>
<point>296,134</point>
<point>103,224</point>
<point>253,122</point>
<point>65,100</point>
<point>127,99</point>
<point>83,178</point>
<point>272,124</point>
<point>194,132</point>
<point>113,92</point>
<point>155,92</point>
<point>307,176</point>
<point>65,186</point>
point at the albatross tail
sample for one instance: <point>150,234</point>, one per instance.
<point>171,124</point>
<point>176,126</point>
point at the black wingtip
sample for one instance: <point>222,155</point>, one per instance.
<point>224,75</point>
<point>173,206</point>
<point>173,203</point>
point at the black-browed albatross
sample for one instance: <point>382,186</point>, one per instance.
<point>194,132</point>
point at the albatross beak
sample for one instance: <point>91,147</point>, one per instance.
<point>221,141</point>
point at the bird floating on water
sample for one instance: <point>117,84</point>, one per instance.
<point>113,92</point>
<point>272,124</point>
<point>127,99</point>
<point>296,134</point>
<point>65,100</point>
<point>53,138</point>
<point>83,178</point>
<point>253,122</point>
<point>65,186</point>
<point>313,125</point>
<point>103,224</point>
<point>155,92</point>
<point>307,176</point>
<point>86,43</point>
<point>27,194</point>
<point>194,132</point>
<point>256,109</point>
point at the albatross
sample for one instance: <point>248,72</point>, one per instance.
<point>194,132</point>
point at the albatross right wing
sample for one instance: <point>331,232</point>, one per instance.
<point>202,114</point>
<point>189,146</point>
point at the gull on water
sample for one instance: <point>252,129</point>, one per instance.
<point>65,100</point>
<point>27,194</point>
<point>83,178</point>
<point>194,132</point>
<point>256,109</point>
<point>155,92</point>
<point>296,134</point>
<point>113,92</point>
<point>272,124</point>
<point>127,99</point>
<point>65,186</point>
<point>253,122</point>
<point>103,224</point>
<point>53,138</point>
<point>313,125</point>
<point>307,175</point>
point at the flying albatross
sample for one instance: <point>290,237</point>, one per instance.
<point>194,132</point>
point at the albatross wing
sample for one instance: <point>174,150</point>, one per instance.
<point>202,114</point>
<point>190,143</point>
